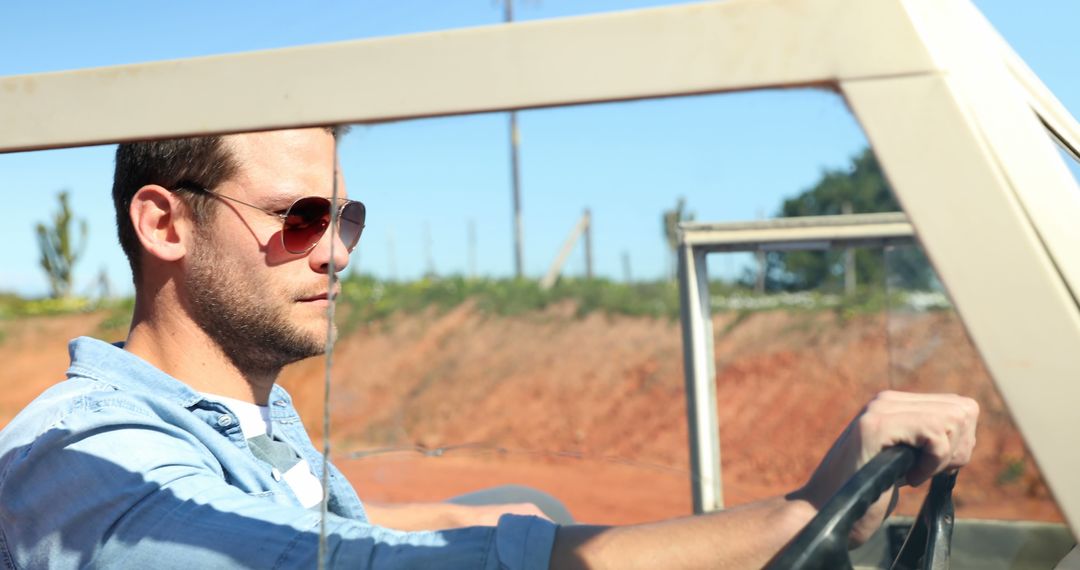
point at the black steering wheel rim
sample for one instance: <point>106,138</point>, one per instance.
<point>823,543</point>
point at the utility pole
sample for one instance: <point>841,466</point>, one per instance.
<point>472,249</point>
<point>104,287</point>
<point>588,245</point>
<point>759,285</point>
<point>627,275</point>
<point>849,257</point>
<point>428,251</point>
<point>515,173</point>
<point>391,259</point>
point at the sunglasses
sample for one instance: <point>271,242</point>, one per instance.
<point>306,220</point>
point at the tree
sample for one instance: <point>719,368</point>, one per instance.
<point>58,251</point>
<point>864,187</point>
<point>670,224</point>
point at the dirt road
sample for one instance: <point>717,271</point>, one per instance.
<point>592,409</point>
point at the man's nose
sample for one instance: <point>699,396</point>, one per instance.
<point>320,257</point>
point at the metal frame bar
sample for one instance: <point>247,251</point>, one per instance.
<point>955,121</point>
<point>818,232</point>
<point>658,52</point>
<point>696,241</point>
<point>699,368</point>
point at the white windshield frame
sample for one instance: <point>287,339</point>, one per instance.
<point>954,117</point>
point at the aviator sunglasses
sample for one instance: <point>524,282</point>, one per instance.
<point>305,221</point>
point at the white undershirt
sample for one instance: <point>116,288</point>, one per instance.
<point>257,428</point>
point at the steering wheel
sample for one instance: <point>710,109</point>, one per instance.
<point>823,542</point>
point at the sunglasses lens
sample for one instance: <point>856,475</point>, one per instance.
<point>307,220</point>
<point>305,223</point>
<point>351,223</point>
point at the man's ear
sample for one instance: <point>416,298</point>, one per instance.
<point>161,222</point>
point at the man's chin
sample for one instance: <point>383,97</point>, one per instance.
<point>308,351</point>
<point>315,339</point>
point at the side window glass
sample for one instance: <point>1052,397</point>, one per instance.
<point>929,351</point>
<point>822,331</point>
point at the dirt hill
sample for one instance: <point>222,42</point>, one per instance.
<point>593,409</point>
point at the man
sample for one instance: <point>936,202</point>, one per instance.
<point>178,449</point>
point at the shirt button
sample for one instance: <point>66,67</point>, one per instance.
<point>275,474</point>
<point>225,421</point>
<point>279,403</point>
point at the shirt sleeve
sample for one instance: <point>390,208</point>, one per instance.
<point>114,486</point>
<point>525,542</point>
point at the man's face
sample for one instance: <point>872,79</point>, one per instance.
<point>264,306</point>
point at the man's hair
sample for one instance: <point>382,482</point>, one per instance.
<point>200,161</point>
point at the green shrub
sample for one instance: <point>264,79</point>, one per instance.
<point>118,317</point>
<point>13,306</point>
<point>365,299</point>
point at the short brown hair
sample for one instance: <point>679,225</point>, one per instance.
<point>204,162</point>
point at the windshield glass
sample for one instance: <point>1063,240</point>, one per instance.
<point>473,378</point>
<point>452,374</point>
<point>929,350</point>
<point>824,331</point>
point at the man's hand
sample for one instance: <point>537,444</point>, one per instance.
<point>941,425</point>
<point>437,516</point>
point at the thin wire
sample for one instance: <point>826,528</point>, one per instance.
<point>890,372</point>
<point>323,507</point>
<point>479,448</point>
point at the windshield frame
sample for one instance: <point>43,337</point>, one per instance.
<point>915,72</point>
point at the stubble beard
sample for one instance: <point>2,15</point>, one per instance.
<point>250,327</point>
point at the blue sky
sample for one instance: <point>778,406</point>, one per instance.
<point>732,156</point>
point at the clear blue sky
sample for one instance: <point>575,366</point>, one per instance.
<point>732,157</point>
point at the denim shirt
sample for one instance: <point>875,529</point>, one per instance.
<point>124,466</point>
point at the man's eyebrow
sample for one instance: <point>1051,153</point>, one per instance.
<point>280,202</point>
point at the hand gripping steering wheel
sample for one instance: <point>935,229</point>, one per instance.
<point>823,542</point>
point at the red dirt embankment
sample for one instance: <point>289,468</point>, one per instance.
<point>593,409</point>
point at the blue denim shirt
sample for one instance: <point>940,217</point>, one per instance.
<point>124,466</point>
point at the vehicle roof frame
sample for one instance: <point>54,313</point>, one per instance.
<point>698,239</point>
<point>954,117</point>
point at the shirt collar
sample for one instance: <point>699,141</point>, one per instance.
<point>110,363</point>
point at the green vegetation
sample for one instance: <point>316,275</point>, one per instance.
<point>365,299</point>
<point>58,250</point>
<point>864,189</point>
<point>1012,472</point>
<point>13,306</point>
<point>796,281</point>
<point>118,319</point>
